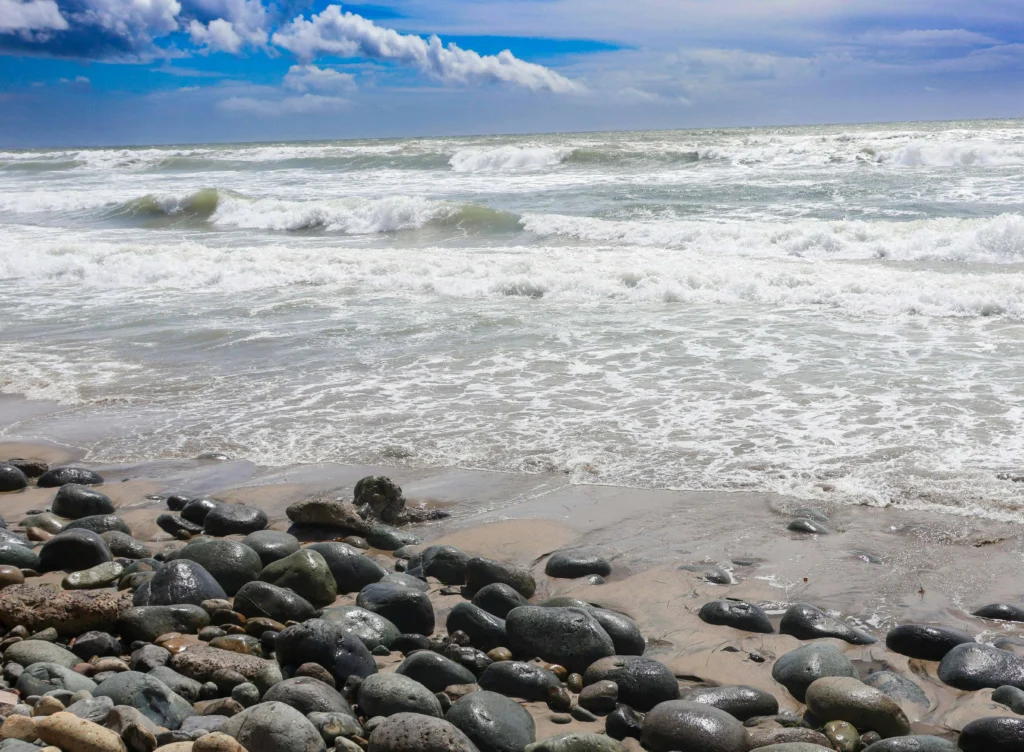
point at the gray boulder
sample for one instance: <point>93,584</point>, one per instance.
<point>274,727</point>
<point>493,723</point>
<point>389,694</point>
<point>798,669</point>
<point>571,637</point>
<point>148,695</point>
<point>411,732</point>
<point>841,698</point>
<point>682,725</point>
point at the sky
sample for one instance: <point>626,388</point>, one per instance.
<point>110,72</point>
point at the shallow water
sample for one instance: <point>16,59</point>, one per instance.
<point>830,313</point>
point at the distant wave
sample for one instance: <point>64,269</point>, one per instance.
<point>505,158</point>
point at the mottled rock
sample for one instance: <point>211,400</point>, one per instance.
<point>102,575</point>
<point>305,572</point>
<point>202,663</point>
<point>411,732</point>
<point>320,512</point>
<point>69,612</point>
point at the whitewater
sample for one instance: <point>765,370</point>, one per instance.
<point>829,312</point>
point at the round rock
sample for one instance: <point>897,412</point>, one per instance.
<point>234,519</point>
<point>682,725</point>
<point>924,641</point>
<point>273,727</point>
<point>481,572</point>
<point>341,653</point>
<point>59,476</point>
<point>434,671</point>
<point>389,694</point>
<point>569,565</point>
<point>517,679</point>
<point>261,599</point>
<point>570,637</point>
<point>74,501</point>
<point>181,582</point>
<point>736,614</point>
<point>993,735</point>
<point>409,610</point>
<point>373,629</point>
<point>11,478</point>
<point>643,682</point>
<point>498,599</point>
<point>973,666</point>
<point>271,545</point>
<point>798,669</point>
<point>741,702</point>
<point>807,622</point>
<point>230,563</point>
<point>410,732</point>
<point>72,551</point>
<point>352,570</point>
<point>841,698</point>
<point>493,723</point>
<point>485,631</point>
<point>305,572</point>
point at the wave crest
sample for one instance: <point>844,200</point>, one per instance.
<point>508,158</point>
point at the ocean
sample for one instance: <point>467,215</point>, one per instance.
<point>833,313</point>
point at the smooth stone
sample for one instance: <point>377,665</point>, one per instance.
<point>576,741</point>
<point>334,725</point>
<point>351,569</point>
<point>102,575</point>
<point>736,614</point>
<point>445,563</point>
<point>518,679</point>
<point>485,631</point>
<point>924,641</point>
<point>623,723</point>
<point>973,666</point>
<point>261,599</point>
<point>73,550</point>
<point>569,565</point>
<point>44,521</point>
<point>409,610</point>
<point>178,527</point>
<point>807,622</point>
<point>406,580</point>
<point>124,545</point>
<point>808,526</point>
<point>498,599</point>
<point>230,563</point>
<point>74,734</point>
<point>388,694</point>
<point>846,699</point>
<point>741,702</point>
<point>1001,611</point>
<point>305,572</point>
<point>570,637</point>
<point>411,732</point>
<point>387,538</point>
<point>74,501</point>
<point>493,723</point>
<point>481,572</point>
<point>11,478</point>
<point>149,657</point>
<point>93,709</point>
<point>96,644</point>
<point>798,669</point>
<point>59,476</point>
<point>434,671</point>
<point>18,555</point>
<point>271,545</point>
<point>100,524</point>
<point>373,629</point>
<point>148,695</point>
<point>710,572</point>
<point>913,744</point>
<point>1011,697</point>
<point>146,623</point>
<point>217,742</point>
<point>992,735</point>
<point>626,636</point>
<point>234,519</point>
<point>28,652</point>
<point>599,698</point>
<point>273,727</point>
<point>897,687</point>
<point>181,582</point>
<point>681,725</point>
<point>195,510</point>
<point>308,695</point>
<point>178,683</point>
<point>40,678</point>
<point>643,682</point>
<point>327,644</point>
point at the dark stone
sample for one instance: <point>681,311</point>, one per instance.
<point>899,688</point>
<point>409,610</point>
<point>234,519</point>
<point>373,629</point>
<point>736,614</point>
<point>517,679</point>
<point>60,476</point>
<point>972,666</point>
<point>40,678</point>
<point>388,694</point>
<point>93,644</point>
<point>570,637</point>
<point>807,622</point>
<point>493,723</point>
<point>925,642</point>
<point>1011,697</point>
<point>382,497</point>
<point>388,538</point>
<point>31,468</point>
<point>738,701</point>
<point>808,526</point>
<point>643,682</point>
<point>485,631</point>
<point>92,709</point>
<point>993,735</point>
<point>410,643</point>
<point>273,727</point>
<point>434,671</point>
<point>308,695</point>
<point>149,657</point>
<point>72,551</point>
<point>146,623</point>
<point>681,725</point>
<point>17,555</point>
<point>352,570</point>
<point>100,524</point>
<point>1001,611</point>
<point>410,732</point>
<point>319,641</point>
<point>406,580</point>
<point>446,563</point>
<point>176,526</point>
<point>179,582</point>
<point>181,685</point>
<point>195,510</point>
<point>148,695</point>
<point>798,669</point>
<point>569,565</point>
<point>626,636</point>
<point>124,545</point>
<point>258,599</point>
<point>481,572</point>
<point>498,599</point>
<point>334,725</point>
<point>11,478</point>
<point>272,545</point>
<point>306,573</point>
<point>74,501</point>
<point>231,564</point>
<point>623,723</point>
<point>710,572</point>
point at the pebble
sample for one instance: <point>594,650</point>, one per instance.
<point>973,666</point>
<point>678,724</point>
<point>741,702</point>
<point>848,699</point>
<point>11,478</point>
<point>434,671</point>
<point>736,614</point>
<point>74,501</point>
<point>517,679</point>
<point>842,735</point>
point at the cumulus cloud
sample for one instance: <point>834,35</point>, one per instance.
<point>34,15</point>
<point>332,32</point>
<point>302,105</point>
<point>230,25</point>
<point>310,78</point>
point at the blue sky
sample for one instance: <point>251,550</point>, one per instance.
<point>100,72</point>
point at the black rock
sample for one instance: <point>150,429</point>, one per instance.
<point>807,622</point>
<point>569,565</point>
<point>1011,697</point>
<point>18,555</point>
<point>74,501</point>
<point>626,636</point>
<point>446,563</point>
<point>234,519</point>
<point>195,510</point>
<point>973,666</point>
<point>516,679</point>
<point>31,468</point>
<point>100,524</point>
<point>798,669</point>
<point>272,602</point>
<point>481,572</point>
<point>571,637</point>
<point>410,643</point>
<point>409,610</point>
<point>274,727</point>
<point>434,671</point>
<point>231,564</point>
<point>485,630</point>
<point>388,538</point>
<point>740,702</point>
<point>59,476</point>
<point>181,685</point>
<point>681,725</point>
<point>146,623</point>
<point>643,682</point>
<point>493,723</point>
<point>92,644</point>
<point>72,551</point>
<point>382,497</point>
<point>736,614</point>
<point>308,695</point>
<point>148,695</point>
<point>623,723</point>
<point>319,641</point>
<point>709,572</point>
<point>179,582</point>
<point>175,525</point>
<point>406,580</point>
<point>124,545</point>
<point>272,545</point>
<point>388,694</point>
<point>1002,611</point>
<point>498,599</point>
<point>923,641</point>
<point>373,629</point>
<point>11,478</point>
<point>41,678</point>
<point>351,569</point>
<point>993,735</point>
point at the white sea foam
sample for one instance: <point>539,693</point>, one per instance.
<point>505,158</point>
<point>348,216</point>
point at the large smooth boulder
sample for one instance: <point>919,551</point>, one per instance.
<point>177,583</point>
<point>274,727</point>
<point>372,629</point>
<point>230,563</point>
<point>146,623</point>
<point>798,669</point>
<point>481,572</point>
<point>352,571</point>
<point>571,637</point>
<point>69,732</point>
<point>11,478</point>
<point>493,723</point>
<point>840,698</point>
<point>409,610</point>
<point>325,643</point>
<point>434,671</point>
<point>123,545</point>
<point>388,694</point>
<point>642,682</point>
<point>308,695</point>
<point>736,614</point>
<point>518,679</point>
<point>40,678</point>
<point>234,519</point>
<point>807,622</point>
<point>306,573</point>
<point>74,501</point>
<point>411,732</point>
<point>271,545</point>
<point>73,550</point>
<point>972,666</point>
<point>924,641</point>
<point>28,652</point>
<point>498,599</point>
<point>572,564</point>
<point>60,476</point>
<point>148,695</point>
<point>261,599</point>
<point>682,725</point>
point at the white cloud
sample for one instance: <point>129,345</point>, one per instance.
<point>234,24</point>
<point>217,36</point>
<point>302,105</point>
<point>332,32</point>
<point>136,19</point>
<point>34,15</point>
<point>310,78</point>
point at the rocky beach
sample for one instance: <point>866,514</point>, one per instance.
<point>214,605</point>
